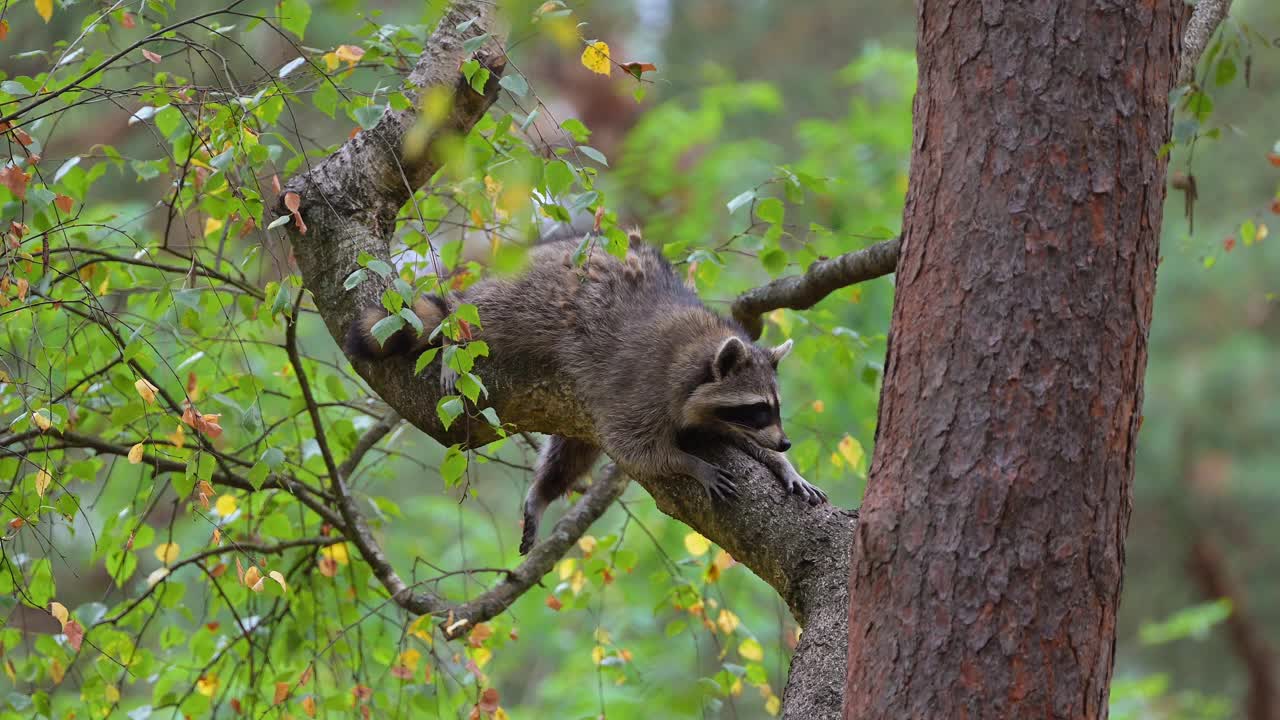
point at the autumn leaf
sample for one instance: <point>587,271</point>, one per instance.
<point>479,634</point>
<point>596,58</point>
<point>554,603</point>
<point>309,706</point>
<point>727,621</point>
<point>349,54</point>
<point>207,685</point>
<point>489,700</point>
<point>226,505</point>
<point>13,178</point>
<point>60,613</point>
<point>282,693</point>
<point>23,286</point>
<point>135,454</point>
<point>4,29</point>
<point>45,8</point>
<point>57,671</point>
<point>153,57</point>
<point>206,424</point>
<point>75,634</point>
<point>279,578</point>
<point>750,649</point>
<point>292,202</point>
<point>327,567</point>
<point>696,544</point>
<point>639,68</point>
<point>168,553</point>
<point>128,22</point>
<point>146,390</point>
<point>42,482</point>
<point>64,203</point>
<point>336,552</point>
<point>587,544</point>
<point>253,578</point>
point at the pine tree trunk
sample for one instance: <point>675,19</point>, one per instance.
<point>986,567</point>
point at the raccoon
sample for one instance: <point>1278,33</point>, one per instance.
<point>661,375</point>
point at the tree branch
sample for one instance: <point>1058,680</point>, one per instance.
<point>801,292</point>
<point>1205,19</point>
<point>350,202</point>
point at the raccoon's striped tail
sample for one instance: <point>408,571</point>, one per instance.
<point>361,342</point>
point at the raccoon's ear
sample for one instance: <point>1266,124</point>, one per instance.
<point>776,354</point>
<point>731,353</point>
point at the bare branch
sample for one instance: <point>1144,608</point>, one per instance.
<point>1205,19</point>
<point>542,558</point>
<point>801,292</point>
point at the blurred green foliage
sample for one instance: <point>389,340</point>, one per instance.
<point>162,273</point>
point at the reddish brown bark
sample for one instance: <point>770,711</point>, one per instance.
<point>987,563</point>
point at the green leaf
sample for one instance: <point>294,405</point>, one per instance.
<point>386,327</point>
<point>326,98</point>
<point>559,177</point>
<point>294,16</point>
<point>412,318</point>
<point>473,44</point>
<point>774,261</point>
<point>369,115</point>
<point>1248,233</point>
<point>575,128</point>
<point>424,360</point>
<point>594,154</point>
<point>1225,72</point>
<point>468,312</point>
<point>448,409</point>
<point>453,465</point>
<point>771,210</point>
<point>471,386</point>
<point>515,84</point>
<point>273,457</point>
<point>354,279</point>
<point>381,267</point>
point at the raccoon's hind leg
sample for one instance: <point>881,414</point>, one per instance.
<point>561,462</point>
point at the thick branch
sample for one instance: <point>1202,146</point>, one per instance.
<point>350,202</point>
<point>801,292</point>
<point>1205,19</point>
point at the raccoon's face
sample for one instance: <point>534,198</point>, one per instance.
<point>738,394</point>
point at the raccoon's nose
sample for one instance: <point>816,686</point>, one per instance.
<point>784,445</point>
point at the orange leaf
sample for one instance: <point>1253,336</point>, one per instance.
<point>75,634</point>
<point>4,29</point>
<point>489,700</point>
<point>128,22</point>
<point>554,603</point>
<point>282,692</point>
<point>64,203</point>
<point>13,178</point>
<point>639,68</point>
<point>23,138</point>
<point>293,202</point>
<point>349,54</point>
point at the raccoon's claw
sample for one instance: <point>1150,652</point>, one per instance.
<point>719,485</point>
<point>807,491</point>
<point>448,379</point>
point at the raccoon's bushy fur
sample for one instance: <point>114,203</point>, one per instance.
<point>660,373</point>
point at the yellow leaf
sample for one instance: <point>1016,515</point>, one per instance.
<point>135,454</point>
<point>773,705</point>
<point>253,578</point>
<point>577,582</point>
<point>57,671</point>
<point>41,419</point>
<point>207,685</point>
<point>596,58</point>
<point>331,61</point>
<point>45,8</point>
<point>42,482</point>
<point>602,636</point>
<point>145,389</point>
<point>727,622</point>
<point>226,505</point>
<point>597,654</point>
<point>750,649</point>
<point>211,226</point>
<point>275,575</point>
<point>104,286</point>
<point>178,437</point>
<point>566,568</point>
<point>481,656</point>
<point>167,553</point>
<point>112,694</point>
<point>336,553</point>
<point>587,543</point>
<point>819,406</point>
<point>1263,232</point>
<point>409,658</point>
<point>59,611</point>
<point>696,544</point>
<point>349,54</point>
<point>851,451</point>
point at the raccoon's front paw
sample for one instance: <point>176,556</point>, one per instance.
<point>717,482</point>
<point>448,379</point>
<point>530,534</point>
<point>797,485</point>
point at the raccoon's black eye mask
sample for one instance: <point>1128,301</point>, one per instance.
<point>756,415</point>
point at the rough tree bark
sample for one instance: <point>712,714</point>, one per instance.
<point>986,567</point>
